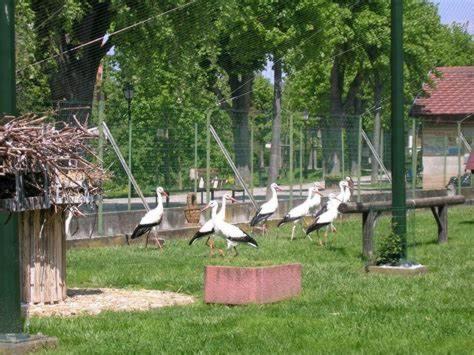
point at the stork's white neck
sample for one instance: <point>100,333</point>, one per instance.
<point>274,197</point>
<point>214,212</point>
<point>221,213</point>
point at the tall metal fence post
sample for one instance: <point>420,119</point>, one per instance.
<point>382,150</point>
<point>10,309</point>
<point>100,215</point>
<point>343,167</point>
<point>129,154</point>
<point>413,159</point>
<point>195,156</point>
<point>301,162</point>
<point>251,157</point>
<point>359,158</point>
<point>399,223</point>
<point>459,143</point>
<point>291,160</point>
<point>208,155</point>
<point>445,159</point>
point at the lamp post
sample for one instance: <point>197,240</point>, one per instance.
<point>128,93</point>
<point>305,136</point>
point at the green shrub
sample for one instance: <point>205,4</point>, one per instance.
<point>389,250</point>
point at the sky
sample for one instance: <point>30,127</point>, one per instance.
<point>460,11</point>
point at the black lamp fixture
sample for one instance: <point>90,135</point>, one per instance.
<point>128,92</point>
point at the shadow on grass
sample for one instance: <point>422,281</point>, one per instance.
<point>416,244</point>
<point>467,222</point>
<point>338,250</point>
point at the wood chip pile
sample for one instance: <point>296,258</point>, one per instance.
<point>49,157</point>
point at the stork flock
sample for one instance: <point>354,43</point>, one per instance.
<point>323,218</point>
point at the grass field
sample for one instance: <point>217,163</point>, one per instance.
<point>341,310</point>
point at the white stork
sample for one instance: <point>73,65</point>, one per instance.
<point>208,227</point>
<point>298,213</point>
<point>152,218</point>
<point>346,187</point>
<point>316,198</point>
<point>232,234</point>
<point>267,209</point>
<point>326,218</point>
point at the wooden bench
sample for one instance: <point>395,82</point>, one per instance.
<point>372,210</point>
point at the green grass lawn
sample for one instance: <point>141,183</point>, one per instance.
<point>342,309</point>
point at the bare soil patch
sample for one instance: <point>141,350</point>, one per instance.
<point>92,301</point>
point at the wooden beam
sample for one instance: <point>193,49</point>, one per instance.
<point>360,207</point>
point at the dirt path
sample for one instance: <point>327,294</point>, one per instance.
<point>95,300</point>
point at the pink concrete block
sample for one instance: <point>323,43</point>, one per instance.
<point>242,285</point>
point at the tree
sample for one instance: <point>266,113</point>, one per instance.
<point>62,32</point>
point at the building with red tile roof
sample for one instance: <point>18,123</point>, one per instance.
<point>446,104</point>
<point>449,94</point>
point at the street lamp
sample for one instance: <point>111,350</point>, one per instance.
<point>128,94</point>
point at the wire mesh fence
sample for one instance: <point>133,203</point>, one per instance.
<point>196,65</point>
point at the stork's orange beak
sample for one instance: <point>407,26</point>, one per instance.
<point>165,194</point>
<point>232,199</point>
<point>205,208</point>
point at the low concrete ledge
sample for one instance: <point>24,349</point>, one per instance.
<point>14,344</point>
<point>397,270</point>
<point>244,285</point>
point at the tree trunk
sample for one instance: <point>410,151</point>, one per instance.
<point>377,125</point>
<point>331,137</point>
<point>276,124</point>
<point>241,86</point>
<point>74,78</point>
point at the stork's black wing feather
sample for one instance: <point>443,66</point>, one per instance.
<point>200,235</point>
<point>287,219</point>
<point>316,226</point>
<point>247,239</point>
<point>142,229</point>
<point>323,209</point>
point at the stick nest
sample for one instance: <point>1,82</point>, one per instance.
<point>48,155</point>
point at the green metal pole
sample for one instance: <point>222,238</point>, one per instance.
<point>291,160</point>
<point>100,217</point>
<point>10,306</point>
<point>458,140</point>
<point>301,162</point>
<point>359,158</point>
<point>445,160</point>
<point>129,154</point>
<point>195,156</point>
<point>342,153</point>
<point>413,160</point>
<point>381,153</point>
<point>208,155</point>
<point>398,139</point>
<point>251,158</point>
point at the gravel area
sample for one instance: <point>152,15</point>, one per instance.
<point>92,301</point>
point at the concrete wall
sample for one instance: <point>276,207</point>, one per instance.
<point>174,225</point>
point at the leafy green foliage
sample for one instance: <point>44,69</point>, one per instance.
<point>388,250</point>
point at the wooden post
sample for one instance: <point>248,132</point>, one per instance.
<point>43,256</point>
<point>441,216</point>
<point>368,223</point>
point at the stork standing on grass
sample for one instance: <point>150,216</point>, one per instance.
<point>208,228</point>
<point>232,234</point>
<point>152,218</point>
<point>298,213</point>
<point>326,218</point>
<point>267,209</point>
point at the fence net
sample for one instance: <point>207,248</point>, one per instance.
<point>294,109</point>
